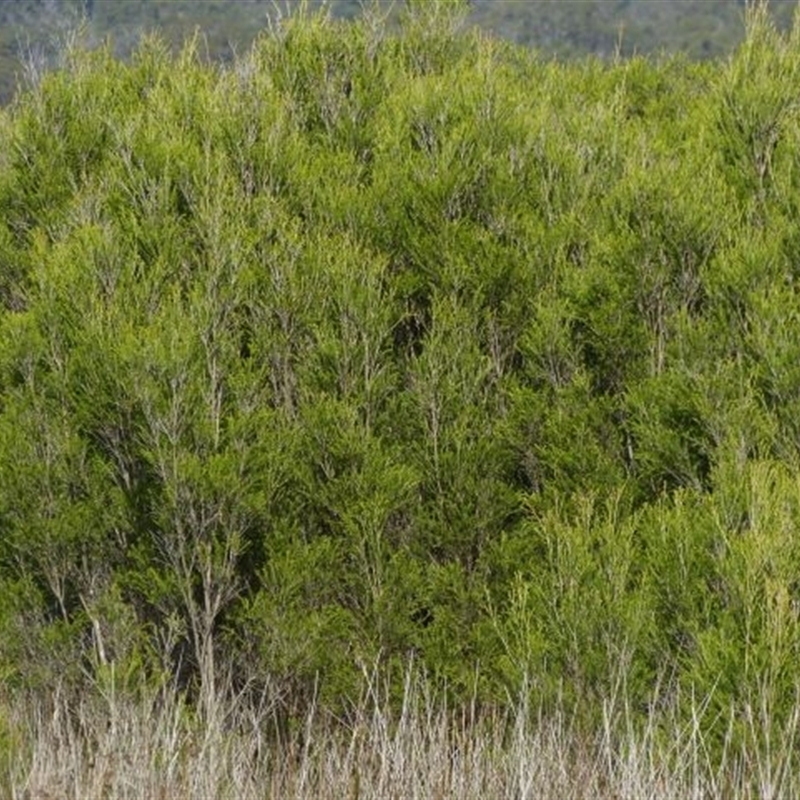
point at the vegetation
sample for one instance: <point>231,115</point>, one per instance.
<point>420,750</point>
<point>32,32</point>
<point>701,30</point>
<point>381,348</point>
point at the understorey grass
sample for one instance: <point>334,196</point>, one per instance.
<point>156,746</point>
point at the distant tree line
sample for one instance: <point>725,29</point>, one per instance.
<point>35,30</point>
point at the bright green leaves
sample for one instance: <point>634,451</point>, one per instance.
<point>390,344</point>
<point>354,319</point>
<point>63,523</point>
<point>580,601</point>
<point>727,592</point>
<point>457,412</point>
<point>758,113</point>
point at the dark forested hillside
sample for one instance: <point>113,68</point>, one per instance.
<point>573,28</point>
<point>34,32</point>
<point>399,344</point>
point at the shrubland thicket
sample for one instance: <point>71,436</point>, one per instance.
<point>379,349</point>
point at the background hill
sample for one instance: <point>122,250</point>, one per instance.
<point>32,32</point>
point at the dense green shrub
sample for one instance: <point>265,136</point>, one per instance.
<point>387,345</point>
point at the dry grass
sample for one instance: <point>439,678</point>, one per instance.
<point>106,747</point>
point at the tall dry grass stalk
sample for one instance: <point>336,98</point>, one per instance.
<point>156,747</point>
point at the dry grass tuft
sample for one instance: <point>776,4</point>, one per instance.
<point>157,748</point>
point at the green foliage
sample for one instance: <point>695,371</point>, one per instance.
<point>33,33</point>
<point>385,344</point>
